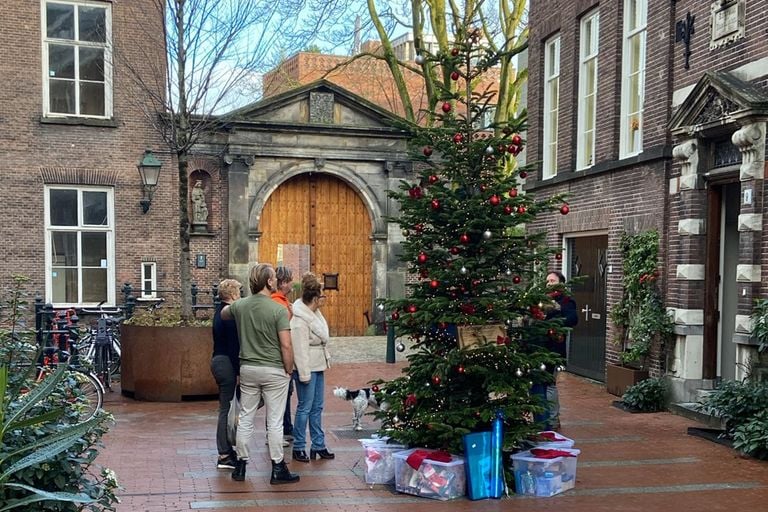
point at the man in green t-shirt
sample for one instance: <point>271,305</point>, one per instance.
<point>266,363</point>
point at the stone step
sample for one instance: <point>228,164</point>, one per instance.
<point>689,410</point>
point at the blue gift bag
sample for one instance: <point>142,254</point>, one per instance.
<point>477,449</point>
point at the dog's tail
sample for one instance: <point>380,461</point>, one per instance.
<point>344,393</point>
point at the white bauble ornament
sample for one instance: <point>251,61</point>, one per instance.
<point>419,59</point>
<point>487,234</point>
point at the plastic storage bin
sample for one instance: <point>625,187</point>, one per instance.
<point>539,476</point>
<point>433,479</point>
<point>551,439</point>
<point>379,463</point>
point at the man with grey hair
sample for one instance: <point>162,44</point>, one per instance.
<point>266,363</point>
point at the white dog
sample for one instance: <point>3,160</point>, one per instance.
<point>361,399</point>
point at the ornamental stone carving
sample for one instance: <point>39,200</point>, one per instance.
<point>750,140</point>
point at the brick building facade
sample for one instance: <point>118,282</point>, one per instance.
<point>679,147</point>
<point>71,136</point>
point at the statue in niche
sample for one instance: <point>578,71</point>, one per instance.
<point>199,208</point>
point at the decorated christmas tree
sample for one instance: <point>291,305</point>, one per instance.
<point>474,311</point>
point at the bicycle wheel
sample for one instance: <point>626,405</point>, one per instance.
<point>102,366</point>
<point>86,349</point>
<point>92,393</point>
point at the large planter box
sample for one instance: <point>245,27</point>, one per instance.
<point>166,364</point>
<point>619,378</point>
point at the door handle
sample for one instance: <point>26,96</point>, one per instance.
<point>586,311</point>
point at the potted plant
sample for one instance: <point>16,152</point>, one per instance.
<point>640,317</point>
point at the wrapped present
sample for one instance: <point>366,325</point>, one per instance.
<point>429,473</point>
<point>551,439</point>
<point>379,463</point>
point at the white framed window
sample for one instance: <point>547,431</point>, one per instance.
<point>587,102</point>
<point>633,77</point>
<point>148,280</point>
<point>79,245</point>
<point>551,103</point>
<point>77,58</point>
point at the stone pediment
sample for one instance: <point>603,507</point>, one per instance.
<point>320,104</point>
<point>719,98</point>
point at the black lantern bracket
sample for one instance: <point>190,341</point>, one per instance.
<point>683,32</point>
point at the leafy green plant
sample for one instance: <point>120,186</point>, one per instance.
<point>648,395</point>
<point>751,437</point>
<point>759,319</point>
<point>736,403</point>
<point>46,454</point>
<point>640,314</point>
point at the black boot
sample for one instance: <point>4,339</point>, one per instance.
<point>324,454</point>
<point>300,456</point>
<point>281,475</point>
<point>238,473</point>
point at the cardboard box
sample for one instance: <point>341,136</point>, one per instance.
<point>478,335</point>
<point>433,479</point>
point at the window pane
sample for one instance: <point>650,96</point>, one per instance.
<point>64,249</point>
<point>94,284</point>
<point>590,75</point>
<point>61,61</point>
<point>588,145</point>
<point>92,64</point>
<point>63,207</point>
<point>62,96</point>
<point>64,285</point>
<point>93,24</point>
<point>94,208</point>
<point>60,20</point>
<point>634,53</point>
<point>94,249</point>
<point>634,93</point>
<point>92,99</point>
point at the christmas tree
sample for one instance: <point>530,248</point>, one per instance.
<point>463,220</point>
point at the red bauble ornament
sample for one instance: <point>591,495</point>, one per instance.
<point>455,75</point>
<point>558,256</point>
<point>464,238</point>
<point>512,192</point>
<point>468,309</point>
<point>516,139</point>
<point>422,258</point>
<point>517,150</point>
<point>435,204</point>
<point>395,315</point>
<point>433,179</point>
<point>415,192</point>
<point>434,283</point>
<point>455,250</point>
<point>521,209</point>
<point>483,187</point>
<point>475,282</point>
<point>503,289</point>
<point>551,332</point>
<point>460,369</point>
<point>427,151</point>
<point>375,388</point>
<point>523,174</point>
<point>458,138</point>
<point>508,210</point>
<point>412,308</point>
<point>446,107</point>
<point>410,400</point>
<point>418,228</point>
<point>454,52</point>
<point>436,380</point>
<point>511,149</point>
<point>516,279</point>
<point>494,200</point>
<point>565,209</point>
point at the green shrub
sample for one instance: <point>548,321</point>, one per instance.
<point>736,403</point>
<point>649,395</point>
<point>46,454</point>
<point>751,437</point>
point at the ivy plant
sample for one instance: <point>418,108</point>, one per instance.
<point>640,315</point>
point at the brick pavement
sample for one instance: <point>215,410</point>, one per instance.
<point>164,455</point>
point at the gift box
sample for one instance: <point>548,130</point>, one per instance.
<point>442,479</point>
<point>545,471</point>
<point>379,463</point>
<point>551,439</point>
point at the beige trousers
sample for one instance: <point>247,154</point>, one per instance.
<point>255,382</point>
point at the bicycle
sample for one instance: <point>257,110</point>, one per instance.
<point>101,345</point>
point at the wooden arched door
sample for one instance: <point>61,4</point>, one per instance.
<point>319,218</point>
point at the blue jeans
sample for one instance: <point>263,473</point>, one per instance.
<point>309,409</point>
<point>224,373</point>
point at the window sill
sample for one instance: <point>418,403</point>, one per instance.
<point>80,121</point>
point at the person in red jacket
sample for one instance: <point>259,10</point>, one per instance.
<point>280,295</point>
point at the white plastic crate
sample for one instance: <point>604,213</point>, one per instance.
<point>433,479</point>
<point>537,476</point>
<point>379,463</point>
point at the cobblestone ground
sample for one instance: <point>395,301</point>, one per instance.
<point>164,455</point>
